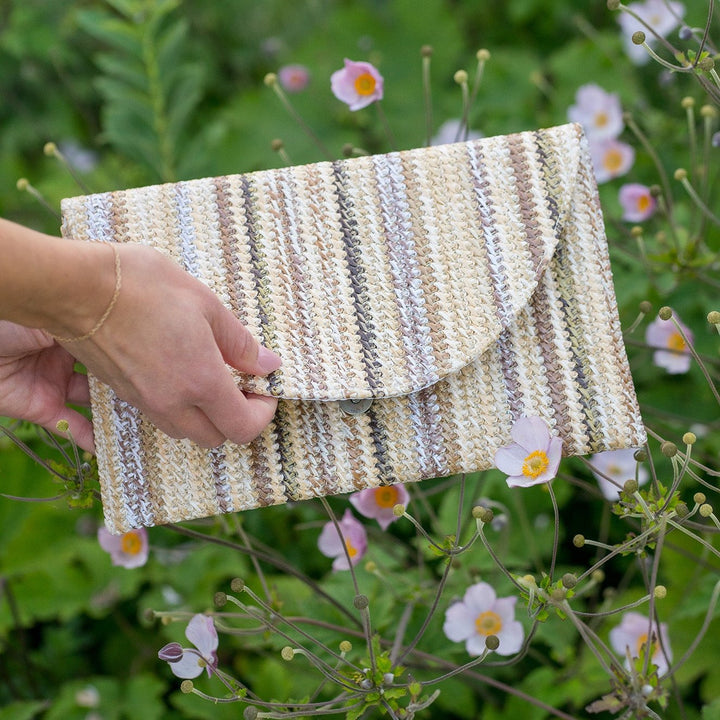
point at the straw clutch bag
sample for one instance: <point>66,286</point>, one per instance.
<point>421,301</point>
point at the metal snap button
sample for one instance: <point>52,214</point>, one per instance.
<point>355,407</point>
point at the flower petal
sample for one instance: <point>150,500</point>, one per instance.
<point>459,622</point>
<point>510,459</point>
<point>511,638</point>
<point>479,597</point>
<point>531,433</point>
<point>202,634</point>
<point>189,666</point>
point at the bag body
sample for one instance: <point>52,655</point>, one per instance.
<point>421,300</point>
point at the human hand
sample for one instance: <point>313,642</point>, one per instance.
<point>164,349</point>
<point>37,379</point>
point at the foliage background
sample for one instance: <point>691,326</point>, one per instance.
<point>191,102</point>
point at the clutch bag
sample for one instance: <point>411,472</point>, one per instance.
<point>421,300</point>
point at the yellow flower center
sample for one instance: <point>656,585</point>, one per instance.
<point>131,543</point>
<point>676,342</point>
<point>601,119</point>
<point>642,646</point>
<point>613,160</point>
<point>643,203</point>
<point>351,549</point>
<point>386,497</point>
<point>488,623</point>
<point>365,84</point>
<point>536,463</point>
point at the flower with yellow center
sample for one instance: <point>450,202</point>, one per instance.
<point>378,503</point>
<point>671,348</point>
<point>534,456</point>
<point>358,84</point>
<point>480,614</point>
<point>128,550</point>
<point>631,637</point>
<point>346,542</point>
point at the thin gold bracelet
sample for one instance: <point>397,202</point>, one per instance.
<point>108,310</point>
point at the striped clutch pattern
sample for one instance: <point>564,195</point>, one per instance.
<point>421,301</point>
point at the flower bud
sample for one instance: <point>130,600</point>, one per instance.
<point>345,646</point>
<point>237,585</point>
<point>613,4</point>
<point>22,184</point>
<point>665,313</point>
<point>706,510</point>
<point>646,307</point>
<point>270,79</point>
<point>492,642</point>
<point>388,678</point>
<point>62,426</point>
<point>250,713</point>
<point>220,599</point>
<point>669,449</point>
<point>714,317</point>
<point>287,653</point>
<point>579,541</point>
<point>277,144</point>
<point>50,149</point>
<point>398,510</point>
<point>597,576</point>
<point>681,509</point>
<point>630,487</point>
<point>460,77</point>
<point>348,149</point>
<point>687,102</point>
<point>638,38</point>
<point>483,55</point>
<point>708,111</point>
<point>361,602</point>
<point>660,592</point>
<point>569,581</point>
<point>706,64</point>
<point>426,51</point>
<point>482,513</point>
<point>699,498</point>
<point>366,684</point>
<point>689,438</point>
<point>685,33</point>
<point>636,231</point>
<point>186,687</point>
<point>640,455</point>
<point>680,174</point>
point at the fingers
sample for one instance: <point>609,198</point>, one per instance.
<point>78,391</point>
<point>239,348</point>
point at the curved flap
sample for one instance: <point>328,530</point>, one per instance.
<point>373,276</point>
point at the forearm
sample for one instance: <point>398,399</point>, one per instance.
<point>51,283</point>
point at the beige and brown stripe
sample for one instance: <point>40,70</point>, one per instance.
<point>449,289</point>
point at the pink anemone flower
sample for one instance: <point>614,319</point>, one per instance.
<point>358,84</point>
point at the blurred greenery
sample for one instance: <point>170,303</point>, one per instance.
<point>143,91</point>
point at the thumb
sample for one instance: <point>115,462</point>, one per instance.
<point>240,349</point>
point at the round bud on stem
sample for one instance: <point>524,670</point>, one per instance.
<point>460,77</point>
<point>579,541</point>
<point>706,510</point>
<point>714,317</point>
<point>706,64</point>
<point>426,51</point>
<point>708,111</point>
<point>492,642</point>
<point>483,55</point>
<point>687,102</point>
<point>638,37</point>
<point>186,687</point>
<point>361,602</point>
<point>237,585</point>
<point>287,653</point>
<point>681,510</point>
<point>646,307</point>
<point>630,487</point>
<point>482,513</point>
<point>665,313</point>
<point>636,231</point>
<point>680,174</point>
<point>640,455</point>
<point>699,498</point>
<point>220,599</point>
<point>348,149</point>
<point>613,4</point>
<point>345,646</point>
<point>660,592</point>
<point>689,438</point>
<point>569,581</point>
<point>270,79</point>
<point>22,184</point>
<point>398,510</point>
<point>50,149</point>
<point>62,426</point>
<point>250,713</point>
<point>669,449</point>
<point>277,145</point>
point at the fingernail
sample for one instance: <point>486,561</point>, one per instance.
<point>267,360</point>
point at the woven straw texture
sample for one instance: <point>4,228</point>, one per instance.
<point>458,287</point>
